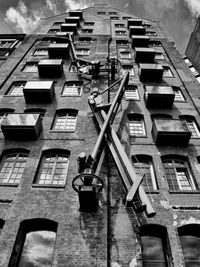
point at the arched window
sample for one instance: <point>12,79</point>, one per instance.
<point>72,88</point>
<point>12,166</point>
<point>144,166</point>
<point>65,120</point>
<point>34,245</point>
<point>189,236</point>
<point>178,174</point>
<point>53,168</point>
<point>155,246</point>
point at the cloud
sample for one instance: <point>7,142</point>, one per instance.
<point>38,248</point>
<point>20,19</point>
<point>73,4</point>
<point>194,7</point>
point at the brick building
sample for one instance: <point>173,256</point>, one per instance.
<point>47,122</point>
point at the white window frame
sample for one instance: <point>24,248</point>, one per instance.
<point>40,52</point>
<point>11,167</point>
<point>82,52</point>
<point>30,67</point>
<point>52,164</point>
<point>125,55</point>
<point>167,73</point>
<point>72,89</point>
<point>140,164</point>
<point>121,33</point>
<point>176,165</point>
<point>65,121</point>
<point>192,127</point>
<point>178,95</point>
<point>16,89</point>
<point>131,93</point>
<point>137,127</point>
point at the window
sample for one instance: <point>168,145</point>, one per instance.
<point>143,166</point>
<point>122,42</point>
<point>128,68</point>
<point>136,125</point>
<point>122,33</point>
<point>88,23</point>
<point>126,18</point>
<point>151,33</point>
<point>131,92</point>
<point>30,67</point>
<point>101,13</point>
<point>65,120</point>
<point>178,175</point>
<point>16,88</point>
<point>125,55</point>
<point>85,39</point>
<point>155,246</point>
<point>114,18</point>
<point>146,25</point>
<point>193,70</point>
<point>73,88</point>
<point>53,31</point>
<point>82,52</point>
<point>178,94</point>
<point>119,25</point>
<point>112,13</point>
<point>192,125</point>
<point>155,43</point>
<point>12,167</point>
<point>190,243</point>
<point>40,52</point>
<point>58,23</point>
<point>34,245</point>
<point>167,72</point>
<point>159,56</point>
<point>87,31</point>
<point>7,43</point>
<point>53,168</point>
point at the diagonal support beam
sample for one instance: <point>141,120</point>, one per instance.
<point>109,116</point>
<point>127,172</point>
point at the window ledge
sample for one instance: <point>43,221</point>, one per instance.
<point>185,192</point>
<point>61,131</point>
<point>48,186</point>
<point>9,184</point>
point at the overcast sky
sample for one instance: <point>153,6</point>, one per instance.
<point>179,16</point>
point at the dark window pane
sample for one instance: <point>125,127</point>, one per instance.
<point>152,253</point>
<point>38,249</point>
<point>190,246</point>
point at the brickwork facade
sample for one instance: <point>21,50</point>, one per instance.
<point>113,235</point>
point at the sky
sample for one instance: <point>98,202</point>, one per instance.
<point>178,16</point>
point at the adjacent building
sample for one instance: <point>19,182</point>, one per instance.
<point>47,122</point>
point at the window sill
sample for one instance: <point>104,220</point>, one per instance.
<point>185,192</point>
<point>9,184</point>
<point>61,131</point>
<point>48,186</point>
